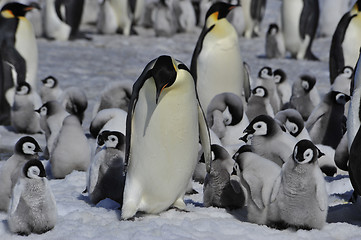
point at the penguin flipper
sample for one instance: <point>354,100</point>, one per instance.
<point>15,199</point>
<point>197,51</point>
<point>246,83</point>
<point>309,18</point>
<point>93,174</point>
<point>354,164</point>
<point>256,187</point>
<point>204,137</point>
<point>321,194</point>
<point>258,9</point>
<point>276,188</point>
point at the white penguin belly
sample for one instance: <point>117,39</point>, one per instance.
<point>164,146</point>
<point>219,67</point>
<point>107,20</point>
<point>53,26</point>
<point>291,13</point>
<point>352,42</point>
<point>121,9</point>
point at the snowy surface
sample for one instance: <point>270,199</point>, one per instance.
<point>94,64</point>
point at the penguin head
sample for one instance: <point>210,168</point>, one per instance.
<point>307,82</point>
<point>34,169</point>
<point>340,98</point>
<point>221,158</point>
<point>50,82</point>
<point>347,71</point>
<point>15,9</point>
<point>49,108</point>
<point>265,73</point>
<point>242,149</point>
<point>356,7</point>
<point>260,91</point>
<point>111,139</point>
<point>217,11</point>
<point>262,125</point>
<point>279,76</point>
<point>23,88</point>
<point>306,152</point>
<point>272,29</point>
<point>292,120</point>
<point>27,146</point>
<point>164,73</point>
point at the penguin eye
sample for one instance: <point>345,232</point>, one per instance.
<point>28,148</point>
<point>260,92</point>
<point>277,78</point>
<point>341,98</point>
<point>305,85</point>
<point>43,111</point>
<point>308,155</point>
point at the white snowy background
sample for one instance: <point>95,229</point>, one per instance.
<point>94,64</point>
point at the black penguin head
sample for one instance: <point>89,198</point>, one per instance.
<point>242,149</point>
<point>265,73</point>
<point>15,9</point>
<point>50,82</point>
<point>23,88</point>
<point>260,91</point>
<point>339,97</point>
<point>218,11</point>
<point>307,82</point>
<point>112,139</point>
<point>219,152</point>
<point>292,120</point>
<point>49,108</point>
<point>347,71</point>
<point>306,152</point>
<point>27,146</point>
<point>164,73</point>
<point>34,169</point>
<point>272,29</point>
<point>279,76</point>
<point>262,125</point>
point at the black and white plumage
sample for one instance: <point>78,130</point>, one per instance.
<point>33,206</point>
<point>275,45</point>
<point>50,89</point>
<point>259,104</point>
<point>26,148</point>
<point>300,194</point>
<point>112,119</point>
<point>219,189</point>
<point>106,172</point>
<point>254,11</point>
<point>75,101</point>
<point>164,19</point>
<point>284,88</point>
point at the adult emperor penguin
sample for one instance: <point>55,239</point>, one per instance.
<point>217,64</point>
<point>54,27</point>
<point>269,140</point>
<point>299,24</point>
<point>253,13</point>
<point>275,45</point>
<point>71,150</point>
<point>24,119</point>
<point>33,206</point>
<point>327,122</point>
<point>164,123</point>
<point>259,104</point>
<point>301,196</point>
<point>219,190</point>
<point>346,41</point>
<point>106,172</point>
<point>226,117</point>
<point>26,148</point>
<point>26,51</point>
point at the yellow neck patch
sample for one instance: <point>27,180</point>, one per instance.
<point>354,9</point>
<point>212,19</point>
<point>7,14</point>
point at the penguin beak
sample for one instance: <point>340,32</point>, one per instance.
<point>159,91</point>
<point>38,149</point>
<point>37,110</point>
<point>31,6</point>
<point>244,138</point>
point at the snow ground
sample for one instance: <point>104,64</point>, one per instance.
<point>105,59</point>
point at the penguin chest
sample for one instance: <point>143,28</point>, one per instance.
<point>164,143</point>
<point>219,64</point>
<point>291,13</point>
<point>352,42</point>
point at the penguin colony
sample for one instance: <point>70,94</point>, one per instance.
<point>264,144</point>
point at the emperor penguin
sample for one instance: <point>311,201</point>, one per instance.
<point>106,172</point>
<point>75,101</point>
<point>50,89</point>
<point>269,140</point>
<point>107,18</point>
<point>237,19</point>
<point>305,96</point>
<point>275,45</point>
<point>301,196</point>
<point>299,24</point>
<point>219,190</point>
<point>25,44</point>
<point>33,206</point>
<point>54,27</point>
<point>226,117</point>
<point>284,88</point>
<point>258,177</point>
<point>342,82</point>
<point>259,104</point>
<point>185,15</point>
<point>24,119</point>
<point>71,150</point>
<point>327,123</point>
<point>217,64</point>
<point>254,11</point>
<point>26,148</point>
<point>164,19</point>
<point>137,8</point>
<point>354,166</point>
<point>164,124</point>
<point>113,119</point>
<point>346,41</point>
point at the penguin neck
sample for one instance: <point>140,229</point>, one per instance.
<point>222,28</point>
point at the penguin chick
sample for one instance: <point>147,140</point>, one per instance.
<point>258,177</point>
<point>26,148</point>
<point>218,191</point>
<point>33,206</point>
<point>225,116</point>
<point>259,104</point>
<point>71,150</point>
<point>284,88</point>
<point>185,15</point>
<point>305,96</point>
<point>342,82</point>
<point>275,46</point>
<point>24,119</point>
<point>302,199</point>
<point>113,119</point>
<point>50,89</point>
<point>269,140</point>
<point>326,124</point>
<point>106,173</point>
<point>164,19</point>
<point>75,101</point>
